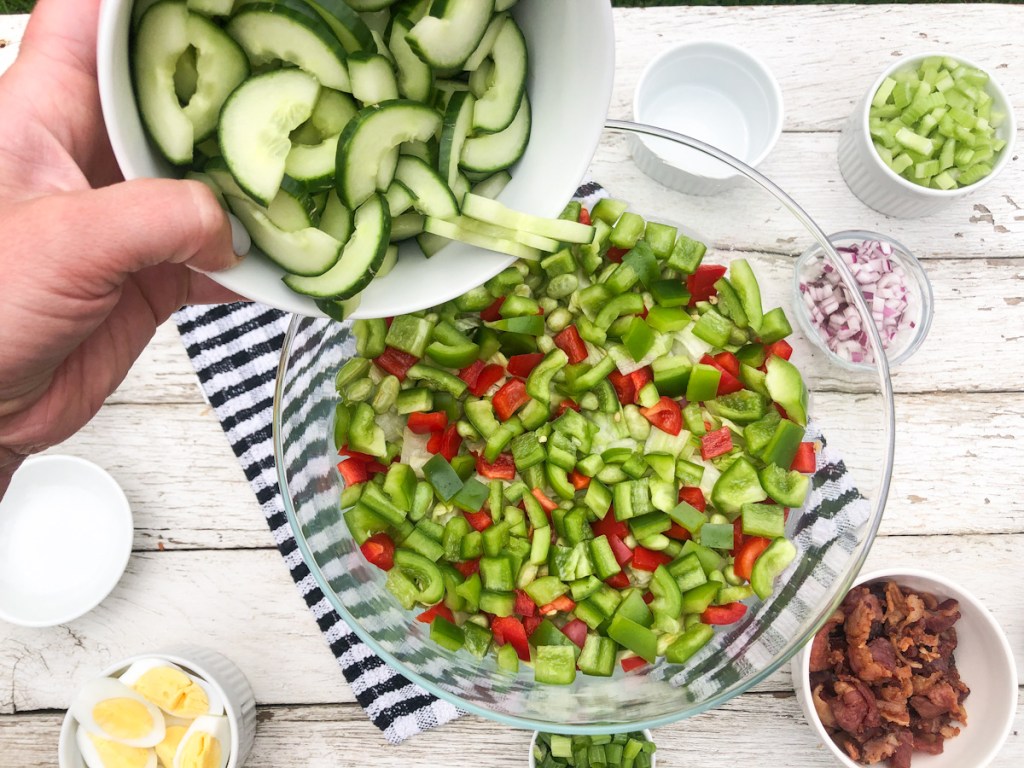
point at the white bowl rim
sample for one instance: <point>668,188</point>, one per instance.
<point>802,659</point>
<point>736,52</point>
<point>1010,127</point>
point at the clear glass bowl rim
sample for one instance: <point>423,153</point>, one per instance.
<point>844,582</point>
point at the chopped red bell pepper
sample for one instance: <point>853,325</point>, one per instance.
<point>530,623</point>
<point>615,254</point>
<point>665,415</point>
<point>751,549</point>
<point>364,458</point>
<point>472,372</point>
<point>804,460</point>
<point>353,472</point>
<point>434,611</point>
<point>548,505</point>
<point>524,605</point>
<point>374,467</point>
<point>569,341</point>
<point>493,312</point>
<point>678,533</point>
<point>648,559</point>
<point>480,521</point>
<point>648,597</point>
<point>434,443</point>
<point>624,388</point>
<point>701,284</point>
<point>619,580</point>
<point>521,365</point>
<point>425,423</point>
<point>490,376</point>
<point>723,614</point>
<point>468,568</point>
<point>503,468</point>
<point>579,480</point>
<point>609,526</point>
<point>737,535</point>
<point>576,631</point>
<point>693,496</point>
<point>729,362</point>
<point>388,321</point>
<point>641,376</point>
<point>623,554</point>
<point>395,362</point>
<point>379,550</point>
<point>510,398</point>
<point>565,405</point>
<point>584,217</point>
<point>632,662</point>
<point>781,348</point>
<point>563,604</point>
<point>715,443</point>
<point>781,411</point>
<point>509,629</point>
<point>727,383</point>
<point>451,441</point>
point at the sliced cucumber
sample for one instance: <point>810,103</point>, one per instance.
<point>455,232</point>
<point>502,233</point>
<point>498,106</point>
<point>255,126</point>
<point>481,78</point>
<point>338,310</point>
<point>415,77</point>
<point>313,165</point>
<point>399,198</point>
<point>333,111</point>
<point>161,40</point>
<point>457,120</point>
<point>424,150</point>
<point>373,79</point>
<point>447,37</point>
<point>292,207</point>
<point>503,5</point>
<point>414,10</point>
<point>493,185</point>
<point>406,225</point>
<point>211,7</point>
<point>370,5</point>
<point>221,66</point>
<point>205,178</point>
<point>460,186</point>
<point>389,262</point>
<point>186,75</point>
<point>362,256</point>
<point>346,24</point>
<point>493,212</point>
<point>496,151</point>
<point>430,195</point>
<point>368,140</point>
<point>430,244</point>
<point>272,31</point>
<point>307,251</point>
<point>483,50</point>
<point>336,219</point>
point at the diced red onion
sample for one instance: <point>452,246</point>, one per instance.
<point>883,284</point>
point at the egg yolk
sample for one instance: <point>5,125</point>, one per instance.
<point>123,718</point>
<point>202,750</point>
<point>116,755</point>
<point>166,749</point>
<point>173,691</point>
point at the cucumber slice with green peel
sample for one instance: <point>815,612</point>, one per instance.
<point>333,111</point>
<point>211,7</point>
<point>458,117</point>
<point>498,106</point>
<point>221,66</point>
<point>460,187</point>
<point>481,78</point>
<point>272,31</point>
<point>406,225</point>
<point>496,151</point>
<point>186,75</point>
<point>369,5</point>
<point>453,231</point>
<point>161,40</point>
<point>493,185</point>
<point>424,150</point>
<point>415,77</point>
<point>430,195</point>
<point>292,207</point>
<point>347,25</point>
<point>492,211</point>
<point>381,45</point>
<point>545,244</point>
<point>336,219</point>
<point>360,259</point>
<point>430,244</point>
<point>386,171</point>
<point>308,251</point>
<point>452,31</point>
<point>486,45</point>
<point>398,198</point>
<point>368,140</point>
<point>414,10</point>
<point>389,262</point>
<point>373,79</point>
<point>255,125</point>
<point>338,310</point>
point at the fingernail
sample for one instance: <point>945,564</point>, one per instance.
<point>241,243</point>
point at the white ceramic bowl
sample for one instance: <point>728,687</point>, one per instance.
<point>983,658</point>
<point>881,188</point>
<point>572,65</point>
<point>712,91</point>
<point>65,539</point>
<point>219,671</point>
<point>533,761</point>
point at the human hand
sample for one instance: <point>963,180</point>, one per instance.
<point>90,266</point>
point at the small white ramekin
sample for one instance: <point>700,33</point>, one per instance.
<point>533,742</point>
<point>983,658</point>
<point>219,671</point>
<point>881,188</point>
<point>708,90</point>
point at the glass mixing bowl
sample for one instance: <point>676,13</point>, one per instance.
<point>851,411</point>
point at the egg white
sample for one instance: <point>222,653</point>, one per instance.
<point>104,688</point>
<point>142,666</point>
<point>91,756</point>
<point>217,727</point>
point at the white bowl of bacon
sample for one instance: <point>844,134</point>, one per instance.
<point>911,669</point>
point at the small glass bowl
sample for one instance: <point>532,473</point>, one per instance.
<point>917,318</point>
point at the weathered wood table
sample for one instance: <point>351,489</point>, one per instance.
<point>205,569</point>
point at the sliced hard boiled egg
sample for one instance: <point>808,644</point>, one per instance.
<point>98,752</point>
<point>206,744</point>
<point>113,711</point>
<point>173,689</point>
<point>168,748</point>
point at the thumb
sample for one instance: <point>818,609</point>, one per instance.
<point>89,242</point>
